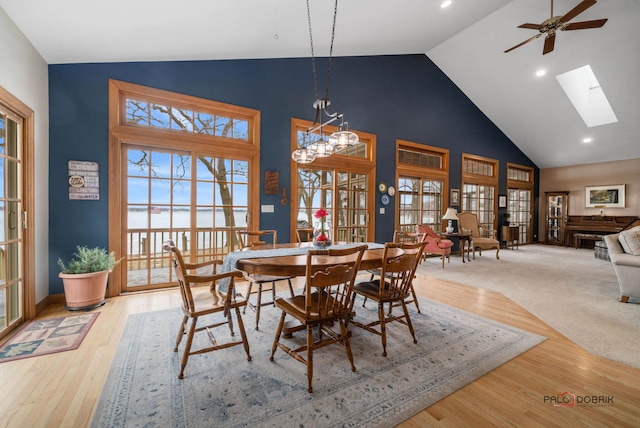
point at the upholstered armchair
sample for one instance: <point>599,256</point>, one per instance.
<point>435,243</point>
<point>481,238</point>
<point>625,264</point>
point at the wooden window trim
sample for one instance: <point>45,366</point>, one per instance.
<point>512,184</point>
<point>365,165</point>
<point>120,133</point>
<point>25,116</point>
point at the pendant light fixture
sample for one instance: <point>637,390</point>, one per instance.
<point>314,147</point>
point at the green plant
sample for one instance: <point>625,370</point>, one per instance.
<point>86,260</point>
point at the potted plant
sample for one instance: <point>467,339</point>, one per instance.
<point>85,277</point>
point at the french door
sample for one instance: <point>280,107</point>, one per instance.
<point>17,303</point>
<point>197,200</point>
<point>343,194</point>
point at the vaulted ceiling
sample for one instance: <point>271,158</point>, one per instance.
<point>466,40</point>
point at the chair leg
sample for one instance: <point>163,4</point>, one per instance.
<point>408,318</point>
<point>244,310</point>
<point>259,304</point>
<point>415,298</point>
<point>187,346</point>
<point>181,332</point>
<point>276,340</point>
<point>290,288</point>
<point>310,357</point>
<point>347,345</point>
<point>243,334</point>
<point>383,328</point>
<point>443,260</point>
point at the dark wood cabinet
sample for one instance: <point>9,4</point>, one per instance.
<point>557,211</point>
<point>510,235</point>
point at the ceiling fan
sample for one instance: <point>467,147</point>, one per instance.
<point>560,23</point>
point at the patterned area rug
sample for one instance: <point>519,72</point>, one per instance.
<point>223,389</point>
<point>47,336</point>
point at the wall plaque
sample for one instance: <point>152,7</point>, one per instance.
<point>84,180</point>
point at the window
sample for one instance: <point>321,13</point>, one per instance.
<point>479,187</point>
<point>520,199</point>
<point>422,177</point>
<point>185,169</point>
<point>340,184</point>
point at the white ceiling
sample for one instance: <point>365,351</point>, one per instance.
<point>466,41</point>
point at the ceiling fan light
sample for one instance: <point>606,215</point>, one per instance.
<point>303,156</point>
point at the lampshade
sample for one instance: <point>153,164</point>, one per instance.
<point>321,148</point>
<point>343,138</point>
<point>451,214</point>
<point>303,156</point>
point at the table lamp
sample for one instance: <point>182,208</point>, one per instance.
<point>451,214</point>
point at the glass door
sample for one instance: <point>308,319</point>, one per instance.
<point>11,225</point>
<point>196,200</point>
<point>346,191</point>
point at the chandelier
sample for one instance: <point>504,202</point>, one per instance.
<point>320,145</point>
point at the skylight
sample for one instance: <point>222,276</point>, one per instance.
<point>588,98</point>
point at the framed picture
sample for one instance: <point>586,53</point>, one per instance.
<point>605,196</point>
<point>455,197</point>
<point>502,201</point>
<point>271,183</point>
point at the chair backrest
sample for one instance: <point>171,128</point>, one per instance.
<point>304,234</point>
<point>399,271</point>
<point>256,238</point>
<point>331,273</point>
<point>400,236</point>
<point>427,230</point>
<point>185,280</point>
<point>469,221</point>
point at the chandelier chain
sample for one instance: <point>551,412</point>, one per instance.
<point>313,56</point>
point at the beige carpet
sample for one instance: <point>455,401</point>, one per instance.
<point>567,288</point>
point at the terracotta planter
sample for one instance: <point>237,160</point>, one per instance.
<point>85,291</point>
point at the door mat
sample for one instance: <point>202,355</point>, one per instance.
<point>47,336</point>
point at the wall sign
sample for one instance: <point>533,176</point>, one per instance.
<point>84,180</point>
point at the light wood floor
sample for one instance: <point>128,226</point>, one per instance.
<point>61,390</point>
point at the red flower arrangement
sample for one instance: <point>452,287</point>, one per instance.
<point>321,237</point>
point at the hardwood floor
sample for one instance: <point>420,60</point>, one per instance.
<point>61,390</point>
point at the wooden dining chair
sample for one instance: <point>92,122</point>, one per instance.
<point>330,276</point>
<point>401,236</point>
<point>258,239</point>
<point>304,234</point>
<point>208,302</point>
<point>398,273</point>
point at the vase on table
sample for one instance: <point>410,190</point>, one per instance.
<point>321,234</point>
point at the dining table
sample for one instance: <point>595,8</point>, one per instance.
<point>290,259</point>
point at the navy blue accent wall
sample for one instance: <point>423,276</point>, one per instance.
<point>395,97</point>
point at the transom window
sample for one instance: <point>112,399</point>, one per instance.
<point>422,177</point>
<point>161,115</point>
<point>479,188</point>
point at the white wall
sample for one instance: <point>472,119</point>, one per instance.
<point>24,73</point>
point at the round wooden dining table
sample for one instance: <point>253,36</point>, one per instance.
<point>295,265</point>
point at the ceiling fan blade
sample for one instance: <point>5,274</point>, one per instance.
<point>530,26</point>
<point>586,4</point>
<point>549,42</point>
<point>526,41</point>
<point>583,25</point>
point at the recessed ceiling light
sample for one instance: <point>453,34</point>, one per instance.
<point>540,73</point>
<point>586,140</point>
<point>446,3</point>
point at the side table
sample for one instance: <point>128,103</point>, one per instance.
<point>465,243</point>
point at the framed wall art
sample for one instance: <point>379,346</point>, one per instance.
<point>455,197</point>
<point>502,201</point>
<point>605,196</point>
